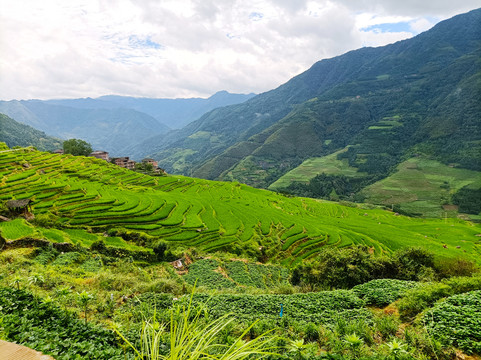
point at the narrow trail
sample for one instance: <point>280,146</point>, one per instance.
<point>11,351</point>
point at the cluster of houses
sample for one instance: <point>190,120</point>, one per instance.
<point>124,161</point>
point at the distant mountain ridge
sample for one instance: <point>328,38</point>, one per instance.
<point>113,123</point>
<point>416,95</point>
<point>175,113</point>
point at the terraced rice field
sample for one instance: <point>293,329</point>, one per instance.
<point>89,193</point>
<point>312,167</point>
<point>422,186</point>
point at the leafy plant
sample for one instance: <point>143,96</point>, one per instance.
<point>354,343</point>
<point>52,331</point>
<point>190,338</point>
<point>396,349</point>
<point>456,321</point>
<point>382,292</point>
<point>84,299</point>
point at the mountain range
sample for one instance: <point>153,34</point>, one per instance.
<point>379,106</point>
<point>113,123</point>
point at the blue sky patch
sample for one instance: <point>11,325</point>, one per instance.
<point>143,43</point>
<point>403,26</point>
<point>255,16</point>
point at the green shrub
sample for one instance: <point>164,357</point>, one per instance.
<point>311,332</point>
<point>92,264</point>
<point>46,220</point>
<point>463,284</point>
<point>457,321</point>
<point>456,267</point>
<point>46,255</point>
<point>48,329</point>
<point>412,263</point>
<point>416,300</point>
<point>98,246</point>
<point>66,259</point>
<point>382,292</point>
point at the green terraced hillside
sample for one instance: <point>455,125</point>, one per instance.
<point>423,186</point>
<point>329,164</point>
<point>87,193</point>
<point>418,186</point>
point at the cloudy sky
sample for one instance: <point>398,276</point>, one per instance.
<point>190,48</point>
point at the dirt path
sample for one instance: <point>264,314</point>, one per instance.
<point>10,351</point>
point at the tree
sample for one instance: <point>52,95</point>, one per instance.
<point>77,147</point>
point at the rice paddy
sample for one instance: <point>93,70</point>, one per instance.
<point>89,194</point>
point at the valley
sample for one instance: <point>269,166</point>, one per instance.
<point>337,216</point>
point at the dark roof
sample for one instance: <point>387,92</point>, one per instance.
<point>18,203</point>
<point>98,152</point>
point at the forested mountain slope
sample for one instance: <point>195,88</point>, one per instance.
<point>417,95</point>
<point>16,134</point>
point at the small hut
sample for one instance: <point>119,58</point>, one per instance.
<point>18,206</point>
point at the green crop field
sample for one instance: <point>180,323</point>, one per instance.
<point>311,167</point>
<point>422,186</point>
<point>418,186</point>
<point>81,193</point>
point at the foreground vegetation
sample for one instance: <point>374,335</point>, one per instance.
<point>106,267</point>
<point>75,307</point>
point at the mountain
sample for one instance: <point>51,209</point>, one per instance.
<point>16,134</point>
<point>114,123</point>
<point>381,105</point>
<point>175,113</point>
<point>105,129</point>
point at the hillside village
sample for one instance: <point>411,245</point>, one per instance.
<point>147,165</point>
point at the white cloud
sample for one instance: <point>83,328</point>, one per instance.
<point>183,48</point>
<point>420,25</point>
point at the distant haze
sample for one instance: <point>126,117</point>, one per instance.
<point>114,123</point>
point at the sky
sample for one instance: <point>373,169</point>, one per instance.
<point>190,48</point>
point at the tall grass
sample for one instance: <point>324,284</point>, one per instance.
<point>191,336</point>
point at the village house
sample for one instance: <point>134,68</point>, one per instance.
<point>125,162</point>
<point>104,155</point>
<point>150,161</point>
<point>58,151</point>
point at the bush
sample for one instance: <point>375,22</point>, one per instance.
<point>382,292</point>
<point>159,250</point>
<point>416,300</point>
<point>46,328</point>
<point>456,267</point>
<point>456,321</point>
<point>413,262</point>
<point>45,220</point>
<point>348,267</point>
<point>335,268</point>
<point>98,246</point>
